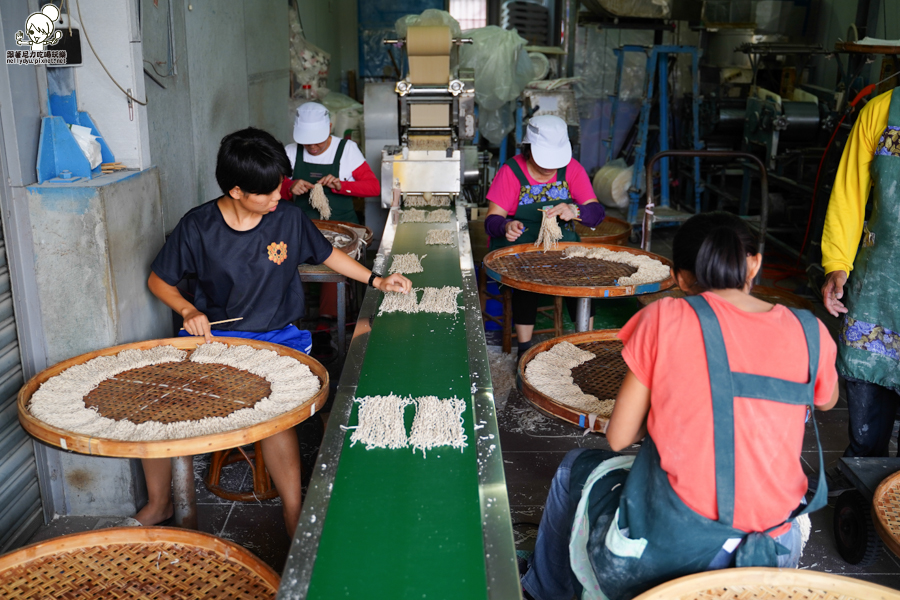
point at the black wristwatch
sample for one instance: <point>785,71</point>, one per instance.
<point>372,277</point>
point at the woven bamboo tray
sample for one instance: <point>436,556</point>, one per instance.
<point>116,402</point>
<point>769,294</point>
<point>758,583</point>
<point>529,268</point>
<point>335,227</point>
<point>886,512</point>
<point>601,376</point>
<point>610,231</point>
<point>136,563</point>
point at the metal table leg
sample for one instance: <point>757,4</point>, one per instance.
<point>342,318</point>
<point>185,497</point>
<point>583,316</point>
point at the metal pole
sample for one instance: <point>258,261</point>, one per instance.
<point>185,497</point>
<point>583,316</point>
<point>763,185</point>
<point>342,318</point>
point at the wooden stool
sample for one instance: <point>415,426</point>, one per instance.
<point>505,320</point>
<point>262,482</point>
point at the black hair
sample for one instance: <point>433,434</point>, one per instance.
<point>526,151</point>
<point>253,160</point>
<point>714,247</point>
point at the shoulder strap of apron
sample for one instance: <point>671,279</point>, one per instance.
<point>339,153</point>
<point>725,385</point>
<point>561,175</point>
<point>894,110</point>
<point>517,171</point>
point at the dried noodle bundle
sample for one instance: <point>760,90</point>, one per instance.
<point>649,269</point>
<point>440,300</point>
<point>319,201</point>
<point>550,373</point>
<point>550,233</point>
<point>381,423</point>
<point>400,302</point>
<point>437,237</point>
<point>407,263</point>
<point>412,215</point>
<point>439,216</point>
<point>438,423</point>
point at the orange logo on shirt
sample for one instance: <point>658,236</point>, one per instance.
<point>277,252</point>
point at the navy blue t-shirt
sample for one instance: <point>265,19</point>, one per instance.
<point>250,274</point>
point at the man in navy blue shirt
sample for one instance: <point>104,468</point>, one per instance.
<point>243,249</point>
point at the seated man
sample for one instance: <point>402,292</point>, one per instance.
<point>244,248</point>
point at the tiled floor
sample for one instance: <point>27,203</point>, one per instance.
<point>533,445</point>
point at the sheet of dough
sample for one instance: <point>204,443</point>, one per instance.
<point>428,50</point>
<point>429,115</point>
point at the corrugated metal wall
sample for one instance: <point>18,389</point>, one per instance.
<point>20,498</point>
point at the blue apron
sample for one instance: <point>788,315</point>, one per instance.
<point>649,535</point>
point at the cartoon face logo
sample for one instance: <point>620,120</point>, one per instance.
<point>40,29</point>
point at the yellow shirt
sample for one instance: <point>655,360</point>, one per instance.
<point>847,206</point>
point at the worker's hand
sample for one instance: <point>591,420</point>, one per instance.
<point>300,187</point>
<point>513,230</point>
<point>196,323</point>
<point>833,291</point>
<point>564,211</point>
<point>393,283</point>
<point>332,182</point>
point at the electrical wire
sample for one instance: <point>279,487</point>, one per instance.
<point>87,37</point>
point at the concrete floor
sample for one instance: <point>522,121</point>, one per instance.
<point>533,445</point>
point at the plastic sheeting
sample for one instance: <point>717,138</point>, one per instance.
<point>309,63</point>
<point>502,70</point>
<point>429,18</point>
<point>596,62</point>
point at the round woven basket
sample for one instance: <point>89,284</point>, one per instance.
<point>529,268</point>
<point>368,236</point>
<point>610,231</point>
<point>340,228</point>
<point>136,563</point>
<point>768,584</point>
<point>601,376</point>
<point>230,382</point>
<point>886,512</point>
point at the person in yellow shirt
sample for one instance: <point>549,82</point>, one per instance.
<point>869,344</point>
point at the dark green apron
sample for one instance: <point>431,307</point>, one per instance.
<point>341,205</point>
<point>870,344</point>
<point>532,198</point>
<point>653,536</point>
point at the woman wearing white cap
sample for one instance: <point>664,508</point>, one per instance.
<point>336,163</point>
<point>544,176</point>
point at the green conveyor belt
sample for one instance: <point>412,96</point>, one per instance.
<point>400,526</point>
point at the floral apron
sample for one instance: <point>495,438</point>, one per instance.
<point>531,199</point>
<point>341,205</point>
<point>649,535</point>
<point>869,347</point>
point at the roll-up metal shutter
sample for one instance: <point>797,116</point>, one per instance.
<point>20,498</point>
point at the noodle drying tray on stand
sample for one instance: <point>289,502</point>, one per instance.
<point>600,376</point>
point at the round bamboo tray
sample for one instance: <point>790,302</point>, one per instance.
<point>769,294</point>
<point>759,583</point>
<point>601,376</point>
<point>610,231</point>
<point>339,228</point>
<point>368,236</point>
<point>529,268</point>
<point>136,563</point>
<point>200,405</point>
<point>886,512</point>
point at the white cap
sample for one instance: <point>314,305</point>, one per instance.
<point>549,139</point>
<point>312,124</point>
